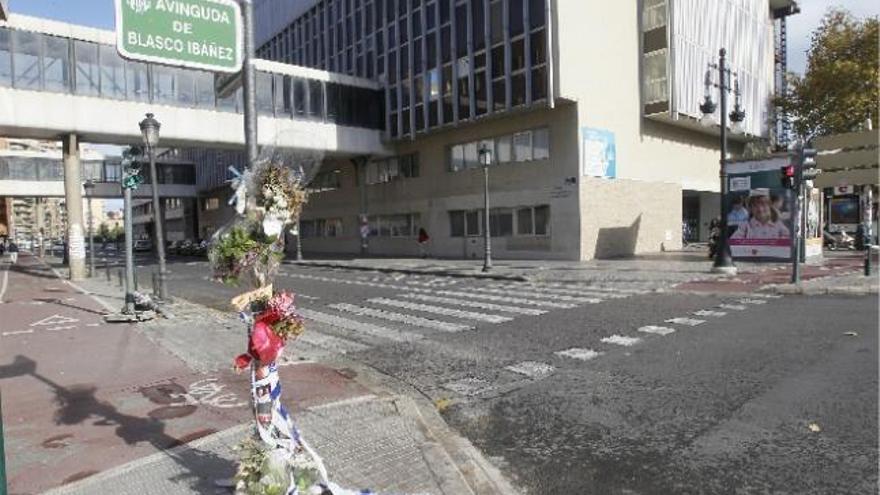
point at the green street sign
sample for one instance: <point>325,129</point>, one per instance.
<point>199,34</point>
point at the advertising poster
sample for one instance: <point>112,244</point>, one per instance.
<point>598,153</point>
<point>759,221</point>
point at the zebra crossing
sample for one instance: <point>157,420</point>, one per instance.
<point>419,308</point>
<point>423,309</point>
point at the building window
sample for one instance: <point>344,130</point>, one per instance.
<point>653,14</point>
<point>522,146</point>
<point>391,169</point>
<point>322,227</point>
<point>465,223</point>
<point>533,220</point>
<point>654,68</point>
<point>211,204</point>
<point>501,222</point>
<point>326,181</point>
<point>398,225</point>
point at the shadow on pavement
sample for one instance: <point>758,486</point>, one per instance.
<point>77,404</point>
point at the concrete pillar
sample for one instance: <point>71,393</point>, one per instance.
<point>76,251</point>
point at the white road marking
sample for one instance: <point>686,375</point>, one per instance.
<point>532,369</point>
<point>438,310</point>
<point>586,291</point>
<point>768,296</point>
<point>735,307</point>
<point>753,301</point>
<point>474,304</point>
<point>691,322</point>
<point>415,321</point>
<point>329,342</point>
<point>578,353</point>
<point>58,329</point>
<point>18,332</point>
<point>93,324</point>
<point>504,299</point>
<point>656,330</point>
<point>707,312</point>
<point>105,304</point>
<point>621,340</point>
<point>359,327</point>
<point>536,295</point>
<point>622,290</point>
<point>488,297</point>
<point>53,320</point>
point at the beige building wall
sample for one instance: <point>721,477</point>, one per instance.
<point>437,191</point>
<point>598,63</point>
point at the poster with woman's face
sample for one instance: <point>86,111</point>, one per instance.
<point>759,209</point>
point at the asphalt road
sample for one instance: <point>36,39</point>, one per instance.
<point>772,396</point>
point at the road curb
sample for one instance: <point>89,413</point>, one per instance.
<point>796,289</point>
<point>480,476</point>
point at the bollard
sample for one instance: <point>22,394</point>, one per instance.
<point>155,284</point>
<point>107,271</point>
<point>121,282</point>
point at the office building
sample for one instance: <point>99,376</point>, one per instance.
<point>590,109</point>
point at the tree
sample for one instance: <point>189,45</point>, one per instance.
<point>839,90</point>
<point>104,232</point>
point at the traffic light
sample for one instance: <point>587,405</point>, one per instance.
<point>131,174</point>
<point>787,175</point>
<point>809,169</point>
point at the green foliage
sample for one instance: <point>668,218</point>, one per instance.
<point>252,469</point>
<point>839,90</point>
<point>244,247</point>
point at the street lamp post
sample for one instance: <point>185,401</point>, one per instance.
<point>723,262</point>
<point>150,131</point>
<point>89,187</point>
<point>486,161</point>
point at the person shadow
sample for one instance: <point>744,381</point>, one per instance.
<point>79,403</point>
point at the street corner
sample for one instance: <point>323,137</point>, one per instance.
<point>310,384</point>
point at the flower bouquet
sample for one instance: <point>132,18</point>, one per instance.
<point>279,195</point>
<point>244,251</point>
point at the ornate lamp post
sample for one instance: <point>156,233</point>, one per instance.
<point>150,132</point>
<point>723,261</point>
<point>89,187</point>
<point>486,162</point>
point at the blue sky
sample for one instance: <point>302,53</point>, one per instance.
<point>99,13</point>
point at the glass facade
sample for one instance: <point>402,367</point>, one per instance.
<point>48,169</point>
<point>442,61</point>
<point>42,62</point>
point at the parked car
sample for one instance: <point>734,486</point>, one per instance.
<point>185,248</point>
<point>142,245</point>
<point>201,248</point>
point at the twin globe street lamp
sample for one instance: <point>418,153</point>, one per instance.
<point>150,132</point>
<point>89,186</point>
<point>723,262</point>
<point>485,162</point>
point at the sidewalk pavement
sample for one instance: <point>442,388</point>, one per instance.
<point>91,407</point>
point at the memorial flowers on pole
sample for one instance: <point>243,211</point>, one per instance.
<point>268,199</point>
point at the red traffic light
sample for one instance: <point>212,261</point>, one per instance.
<point>788,171</point>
